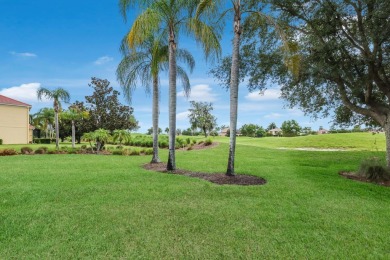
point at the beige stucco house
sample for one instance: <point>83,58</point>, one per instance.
<point>14,121</point>
<point>275,132</point>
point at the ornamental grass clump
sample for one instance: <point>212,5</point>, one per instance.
<point>8,152</point>
<point>26,150</point>
<point>374,169</point>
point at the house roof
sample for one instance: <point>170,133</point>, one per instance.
<point>275,129</point>
<point>12,102</point>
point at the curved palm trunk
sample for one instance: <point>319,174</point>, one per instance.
<point>155,158</point>
<point>57,130</point>
<point>73,134</point>
<point>234,89</point>
<point>171,166</point>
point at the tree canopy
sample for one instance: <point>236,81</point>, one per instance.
<point>200,117</point>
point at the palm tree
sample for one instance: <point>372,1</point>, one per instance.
<point>145,64</point>
<point>44,119</point>
<point>89,137</point>
<point>56,95</point>
<point>171,17</point>
<point>121,135</point>
<point>101,136</point>
<point>234,73</point>
<point>74,114</point>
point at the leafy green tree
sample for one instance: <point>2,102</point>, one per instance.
<point>200,116</point>
<point>260,132</point>
<point>151,131</point>
<point>145,64</point>
<point>166,130</point>
<point>105,110</point>
<point>290,128</point>
<point>343,52</point>
<point>249,130</point>
<point>172,17</point>
<point>271,126</point>
<point>121,135</point>
<point>57,95</point>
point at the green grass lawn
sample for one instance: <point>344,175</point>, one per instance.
<point>98,207</point>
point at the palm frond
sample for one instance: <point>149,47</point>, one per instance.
<point>185,81</point>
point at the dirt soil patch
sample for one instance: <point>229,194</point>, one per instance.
<point>355,177</point>
<point>203,146</point>
<point>218,178</point>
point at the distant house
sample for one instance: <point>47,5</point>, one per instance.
<point>275,132</point>
<point>14,121</point>
<point>322,131</point>
<point>224,132</point>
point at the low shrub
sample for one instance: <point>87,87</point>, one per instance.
<point>134,152</point>
<point>117,152</point>
<point>44,148</point>
<point>40,151</point>
<point>8,152</point>
<point>42,140</point>
<point>208,141</point>
<point>148,151</point>
<point>84,147</point>
<point>26,150</point>
<point>374,170</point>
<point>201,142</point>
<point>190,148</point>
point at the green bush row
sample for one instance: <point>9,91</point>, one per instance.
<point>44,140</point>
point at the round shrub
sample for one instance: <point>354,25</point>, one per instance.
<point>39,151</point>
<point>374,170</point>
<point>26,150</point>
<point>8,152</point>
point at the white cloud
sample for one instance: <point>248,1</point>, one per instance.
<point>273,115</point>
<point>24,54</point>
<point>268,94</point>
<point>25,92</point>
<point>182,116</point>
<point>103,60</point>
<point>200,93</point>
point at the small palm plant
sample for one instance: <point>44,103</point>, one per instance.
<point>101,137</point>
<point>121,135</point>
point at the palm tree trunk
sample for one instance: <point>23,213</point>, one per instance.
<point>57,130</point>
<point>73,134</point>
<point>155,114</point>
<point>171,166</point>
<point>234,88</point>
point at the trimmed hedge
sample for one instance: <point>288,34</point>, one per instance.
<point>43,140</point>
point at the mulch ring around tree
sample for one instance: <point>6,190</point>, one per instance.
<point>355,177</point>
<point>217,178</point>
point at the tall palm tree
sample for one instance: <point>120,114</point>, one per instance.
<point>56,95</point>
<point>145,64</point>
<point>171,17</point>
<point>237,10</point>
<point>73,114</point>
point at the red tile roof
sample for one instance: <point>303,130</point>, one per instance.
<point>9,101</point>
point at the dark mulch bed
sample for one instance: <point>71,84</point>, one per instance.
<point>218,178</point>
<point>355,177</point>
<point>203,146</point>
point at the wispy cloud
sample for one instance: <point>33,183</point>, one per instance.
<point>182,116</point>
<point>23,54</point>
<point>200,93</point>
<point>273,115</point>
<point>25,92</point>
<point>103,60</point>
<point>268,94</point>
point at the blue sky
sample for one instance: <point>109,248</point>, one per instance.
<point>65,43</point>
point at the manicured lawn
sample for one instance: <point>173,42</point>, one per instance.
<point>88,206</point>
